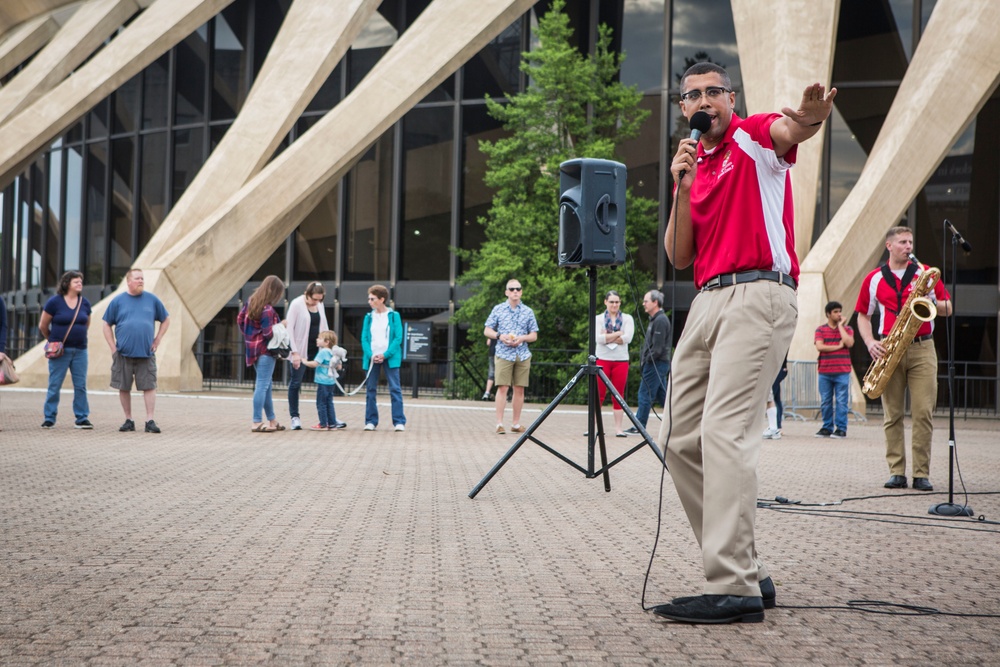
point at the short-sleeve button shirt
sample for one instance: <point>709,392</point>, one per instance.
<point>518,321</point>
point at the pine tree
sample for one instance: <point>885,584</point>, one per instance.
<point>573,107</point>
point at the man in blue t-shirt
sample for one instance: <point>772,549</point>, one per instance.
<point>133,344</point>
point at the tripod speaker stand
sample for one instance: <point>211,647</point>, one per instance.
<point>595,421</point>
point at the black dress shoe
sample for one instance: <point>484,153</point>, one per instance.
<point>714,609</point>
<point>922,484</point>
<point>896,482</point>
<point>767,593</point>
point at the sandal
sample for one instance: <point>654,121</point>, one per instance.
<point>277,427</point>
<point>262,428</point>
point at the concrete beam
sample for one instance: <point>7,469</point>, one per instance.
<point>314,36</point>
<point>202,270</point>
<point>786,45</point>
<point>90,26</point>
<point>254,222</point>
<point>15,12</point>
<point>958,51</point>
<point>163,25</point>
<point>25,40</point>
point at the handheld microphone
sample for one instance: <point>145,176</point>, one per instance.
<point>966,246</point>
<point>700,122</point>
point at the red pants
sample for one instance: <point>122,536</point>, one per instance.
<point>617,372</point>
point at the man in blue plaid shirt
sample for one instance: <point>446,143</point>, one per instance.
<point>512,324</point>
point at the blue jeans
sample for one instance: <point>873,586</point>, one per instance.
<point>776,394</point>
<point>833,387</point>
<point>652,388</point>
<point>294,387</point>
<point>262,401</point>
<point>324,404</point>
<point>395,394</point>
<point>75,361</point>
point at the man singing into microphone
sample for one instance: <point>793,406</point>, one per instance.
<point>732,219</point>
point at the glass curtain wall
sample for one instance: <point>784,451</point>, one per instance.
<point>94,199</point>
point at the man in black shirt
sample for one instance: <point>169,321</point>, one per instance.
<point>655,357</point>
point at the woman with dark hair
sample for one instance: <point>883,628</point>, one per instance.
<point>613,332</point>
<point>256,321</point>
<point>66,319</point>
<point>305,319</point>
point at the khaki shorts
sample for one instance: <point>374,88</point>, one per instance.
<point>124,369</point>
<point>512,373</point>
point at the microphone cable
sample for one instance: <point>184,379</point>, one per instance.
<point>669,424</point>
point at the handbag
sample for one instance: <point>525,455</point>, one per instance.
<point>279,346</point>
<point>8,375</point>
<point>54,348</point>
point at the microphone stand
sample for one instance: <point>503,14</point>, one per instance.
<point>950,508</point>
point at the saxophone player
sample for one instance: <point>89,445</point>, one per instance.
<point>886,290</point>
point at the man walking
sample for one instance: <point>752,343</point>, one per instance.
<point>654,358</point>
<point>834,341</point>
<point>133,342</point>
<point>512,325</point>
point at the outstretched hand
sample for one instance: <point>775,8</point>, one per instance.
<point>815,107</point>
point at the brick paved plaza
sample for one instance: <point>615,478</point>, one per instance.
<point>208,545</point>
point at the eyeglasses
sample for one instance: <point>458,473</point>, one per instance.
<point>514,289</point>
<point>712,92</point>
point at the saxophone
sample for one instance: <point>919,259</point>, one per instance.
<point>917,310</point>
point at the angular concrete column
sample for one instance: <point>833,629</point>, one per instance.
<point>15,12</point>
<point>786,45</point>
<point>958,51</point>
<point>79,37</point>
<point>164,24</point>
<point>226,248</point>
<point>313,38</point>
<point>25,40</point>
<point>197,274</point>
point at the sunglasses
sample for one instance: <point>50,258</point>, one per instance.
<point>514,289</point>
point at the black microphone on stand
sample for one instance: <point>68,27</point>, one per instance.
<point>961,241</point>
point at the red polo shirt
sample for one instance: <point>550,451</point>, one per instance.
<point>876,293</point>
<point>741,204</point>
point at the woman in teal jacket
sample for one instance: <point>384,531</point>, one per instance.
<point>382,343</point>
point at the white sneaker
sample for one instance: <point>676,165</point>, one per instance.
<point>399,427</point>
<point>772,434</point>
<point>296,424</point>
<point>369,427</point>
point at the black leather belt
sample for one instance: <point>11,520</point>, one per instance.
<point>730,279</point>
<point>921,339</point>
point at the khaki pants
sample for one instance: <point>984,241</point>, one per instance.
<point>730,352</point>
<point>918,371</point>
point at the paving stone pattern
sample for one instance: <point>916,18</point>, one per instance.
<point>208,544</point>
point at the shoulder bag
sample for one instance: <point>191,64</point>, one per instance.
<point>7,373</point>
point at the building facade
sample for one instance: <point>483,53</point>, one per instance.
<point>237,149</point>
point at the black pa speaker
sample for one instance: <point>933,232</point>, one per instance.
<point>591,213</point>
